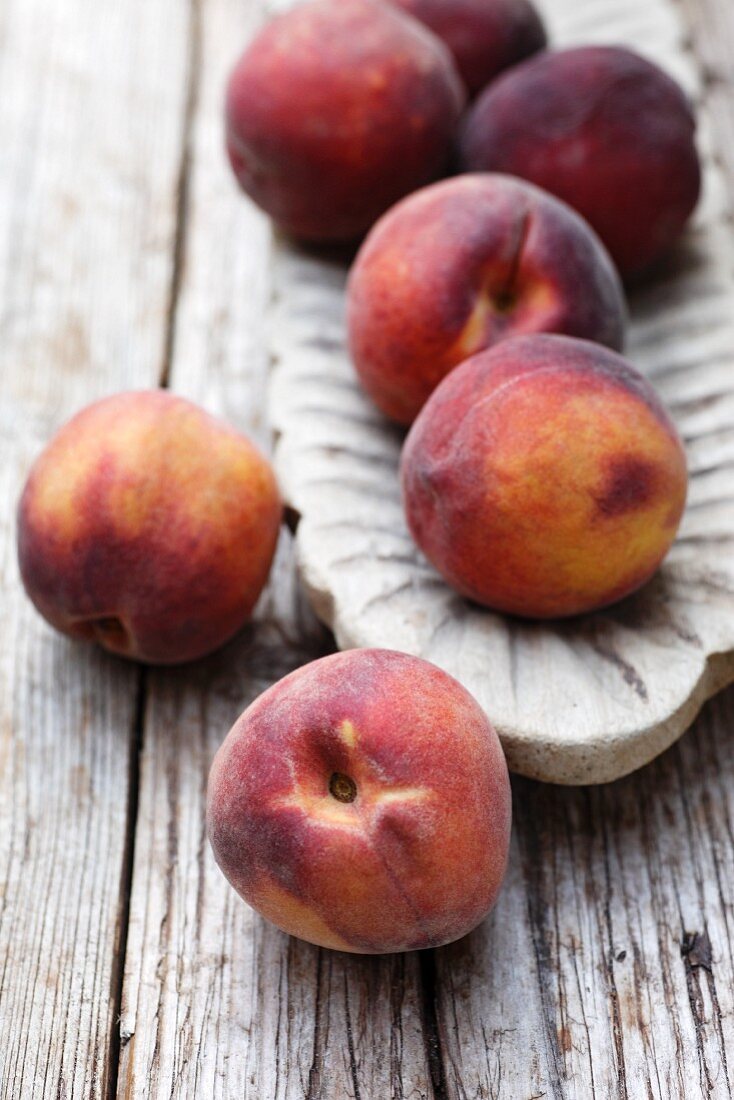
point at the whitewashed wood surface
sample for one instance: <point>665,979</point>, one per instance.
<point>127,966</point>
<point>591,699</point>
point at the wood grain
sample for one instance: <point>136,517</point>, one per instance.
<point>590,699</point>
<point>215,1002</point>
<point>87,188</point>
<point>710,35</point>
<point>607,969</point>
<point>210,993</point>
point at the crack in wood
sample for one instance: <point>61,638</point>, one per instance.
<point>431,1024</point>
<point>533,854</point>
<point>353,1069</point>
<point>117,1040</point>
<point>314,1090</point>
<point>183,184</point>
<point>696,951</point>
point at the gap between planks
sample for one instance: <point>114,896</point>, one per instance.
<point>191,95</point>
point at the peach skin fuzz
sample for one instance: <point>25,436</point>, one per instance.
<point>336,110</point>
<point>363,804</point>
<point>484,36</point>
<point>544,478</point>
<point>466,263</point>
<point>149,527</point>
<point>605,130</point>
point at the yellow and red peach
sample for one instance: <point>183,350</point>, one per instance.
<point>605,130</point>
<point>148,526</point>
<point>463,264</point>
<point>337,109</point>
<point>484,36</point>
<point>544,478</point>
<point>363,804</point>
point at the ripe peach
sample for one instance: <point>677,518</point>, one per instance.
<point>363,803</point>
<point>337,109</point>
<point>544,477</point>
<point>148,526</point>
<point>484,36</point>
<point>466,263</point>
<point>605,130</point>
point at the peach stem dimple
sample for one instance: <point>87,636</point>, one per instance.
<point>506,298</point>
<point>342,787</point>
<point>504,301</point>
<point>106,629</point>
<point>110,630</point>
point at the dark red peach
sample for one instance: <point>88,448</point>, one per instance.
<point>484,36</point>
<point>605,130</point>
<point>337,109</point>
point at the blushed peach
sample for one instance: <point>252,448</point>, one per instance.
<point>148,526</point>
<point>605,130</point>
<point>544,478</point>
<point>463,264</point>
<point>484,36</point>
<point>363,804</point>
<point>337,109</point>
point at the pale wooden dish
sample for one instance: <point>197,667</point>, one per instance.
<point>578,702</point>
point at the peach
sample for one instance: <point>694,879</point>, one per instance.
<point>466,263</point>
<point>363,804</point>
<point>544,478</point>
<point>484,36</point>
<point>603,129</point>
<point>337,109</point>
<point>148,526</point>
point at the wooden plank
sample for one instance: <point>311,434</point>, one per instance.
<point>607,968</point>
<point>87,212</point>
<point>215,1002</point>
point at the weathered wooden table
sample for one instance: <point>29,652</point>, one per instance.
<point>127,965</point>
